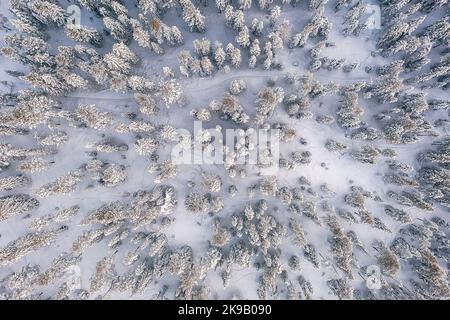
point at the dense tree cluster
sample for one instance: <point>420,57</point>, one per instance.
<point>92,105</point>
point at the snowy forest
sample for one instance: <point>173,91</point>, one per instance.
<point>95,96</point>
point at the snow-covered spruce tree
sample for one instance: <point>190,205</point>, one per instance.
<point>118,30</point>
<point>162,32</point>
<point>56,138</point>
<point>264,4</point>
<point>340,288</point>
<point>234,18</point>
<point>188,64</point>
<point>121,58</point>
<point>231,109</point>
<point>243,37</point>
<point>202,47</point>
<point>104,273</point>
<point>349,112</point>
<point>57,62</point>
<point>275,13</point>
<point>352,19</point>
<point>170,92</point>
<point>255,51</point>
<point>48,12</point>
<point>143,38</point>
<point>32,51</point>
<point>16,204</point>
<point>59,217</point>
<point>33,165</point>
<point>419,57</point>
<point>25,21</point>
<point>65,184</point>
<point>397,30</point>
<point>207,68</point>
<point>219,54</point>
<point>310,254</point>
<point>144,210</point>
<point>268,99</point>
<point>438,71</point>
<point>410,199</point>
<point>341,3</point>
<point>196,202</point>
<point>234,55</point>
<point>84,34</point>
<point>269,186</point>
<point>335,147</point>
<point>237,87</point>
<point>437,31</point>
<point>299,237</point>
<point>212,182</point>
<point>433,276</point>
<point>109,145</point>
<point>60,264</point>
<point>21,285</point>
<point>148,6</point>
<point>166,170</point>
<point>269,55</point>
<point>311,29</point>
<point>221,5</point>
<point>257,27</point>
<point>263,232</point>
<point>12,182</point>
<point>203,114</point>
<point>113,175</point>
<point>386,258</point>
<point>48,82</point>
<point>433,174</point>
<point>26,244</point>
<point>146,146</point>
<point>93,117</point>
<point>386,89</point>
<point>367,154</point>
<point>431,5</point>
<point>341,246</point>
<point>140,84</point>
<point>192,16</point>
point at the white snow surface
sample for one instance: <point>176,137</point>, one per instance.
<point>338,172</point>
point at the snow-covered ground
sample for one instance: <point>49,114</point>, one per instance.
<point>214,248</point>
